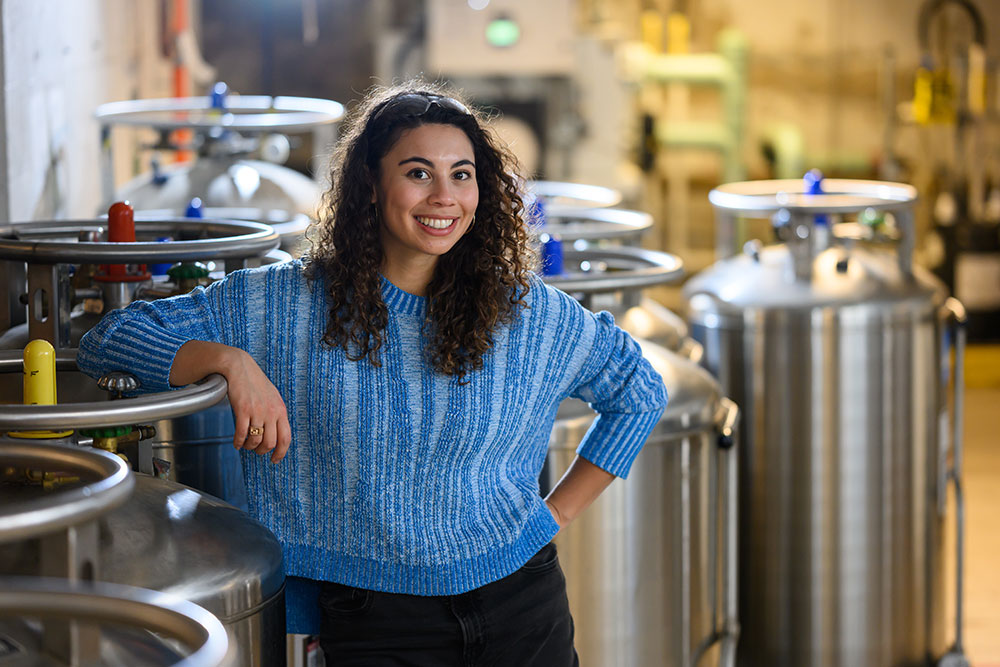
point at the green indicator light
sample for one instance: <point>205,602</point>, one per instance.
<point>503,32</point>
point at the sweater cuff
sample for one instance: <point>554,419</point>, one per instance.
<point>614,440</point>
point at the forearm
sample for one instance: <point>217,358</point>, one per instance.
<point>197,359</point>
<point>580,486</point>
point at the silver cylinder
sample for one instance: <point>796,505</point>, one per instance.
<point>841,541</point>
<point>649,566</point>
<point>841,375</point>
<point>173,539</point>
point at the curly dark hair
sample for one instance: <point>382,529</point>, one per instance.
<point>477,285</point>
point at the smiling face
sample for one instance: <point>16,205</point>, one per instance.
<point>427,195</point>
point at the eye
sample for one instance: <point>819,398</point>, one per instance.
<point>419,173</point>
<point>462,175</point>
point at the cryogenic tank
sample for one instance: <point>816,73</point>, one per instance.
<point>602,255</point>
<point>836,348</point>
<point>67,618</point>
<point>651,566</point>
<point>167,537</point>
<point>65,272</point>
<point>241,144</point>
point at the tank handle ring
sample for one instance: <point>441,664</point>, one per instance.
<point>634,268</point>
<point>65,507</point>
<point>162,613</point>
<point>150,407</point>
<point>233,240</point>
<point>561,193</point>
<point>593,224</point>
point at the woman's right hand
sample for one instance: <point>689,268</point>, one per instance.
<point>258,409</point>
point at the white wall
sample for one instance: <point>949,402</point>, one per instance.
<point>61,59</point>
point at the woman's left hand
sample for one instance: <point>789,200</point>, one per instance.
<point>578,488</point>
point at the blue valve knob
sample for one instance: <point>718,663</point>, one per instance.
<point>552,255</point>
<point>814,182</point>
<point>161,269</point>
<point>218,95</point>
<point>814,186</point>
<point>194,209</point>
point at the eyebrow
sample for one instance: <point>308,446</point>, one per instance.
<point>427,162</point>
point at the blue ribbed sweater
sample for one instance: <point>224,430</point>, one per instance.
<point>399,478</point>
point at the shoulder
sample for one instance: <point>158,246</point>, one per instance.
<point>287,273</point>
<point>542,294</point>
<point>549,307</point>
<point>544,298</point>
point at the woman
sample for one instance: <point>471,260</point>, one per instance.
<point>404,379</point>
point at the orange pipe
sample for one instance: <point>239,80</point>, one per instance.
<point>181,78</point>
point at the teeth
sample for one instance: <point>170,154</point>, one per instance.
<point>435,223</point>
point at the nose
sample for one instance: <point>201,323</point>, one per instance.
<point>441,193</point>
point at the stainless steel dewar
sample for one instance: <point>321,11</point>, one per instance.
<point>228,132</point>
<point>197,446</point>
<point>65,618</point>
<point>838,352</point>
<point>651,566</point>
<point>166,537</point>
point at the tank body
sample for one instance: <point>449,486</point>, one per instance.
<point>840,380</point>
<point>643,564</point>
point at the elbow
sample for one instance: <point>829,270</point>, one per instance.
<point>93,344</point>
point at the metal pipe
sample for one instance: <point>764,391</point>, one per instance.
<point>730,615</point>
<point>840,196</point>
<point>11,361</point>
<point>956,654</point>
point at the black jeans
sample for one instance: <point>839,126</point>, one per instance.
<point>521,620</point>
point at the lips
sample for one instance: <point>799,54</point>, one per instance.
<point>435,223</point>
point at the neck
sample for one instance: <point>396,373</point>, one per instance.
<point>412,277</point>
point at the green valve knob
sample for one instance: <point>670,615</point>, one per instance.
<point>188,271</point>
<point>107,432</point>
<point>872,218</point>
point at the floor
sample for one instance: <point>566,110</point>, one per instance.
<point>982,490</point>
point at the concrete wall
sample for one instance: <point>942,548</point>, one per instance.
<point>60,60</point>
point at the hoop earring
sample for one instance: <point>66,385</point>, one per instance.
<point>472,223</point>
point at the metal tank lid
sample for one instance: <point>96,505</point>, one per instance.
<point>841,277</point>
<point>178,540</point>
<point>694,396</point>
<point>174,539</point>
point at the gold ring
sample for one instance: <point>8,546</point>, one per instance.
<point>256,430</point>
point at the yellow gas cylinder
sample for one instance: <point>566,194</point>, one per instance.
<point>39,384</point>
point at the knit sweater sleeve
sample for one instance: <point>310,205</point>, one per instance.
<point>144,338</point>
<point>626,392</point>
